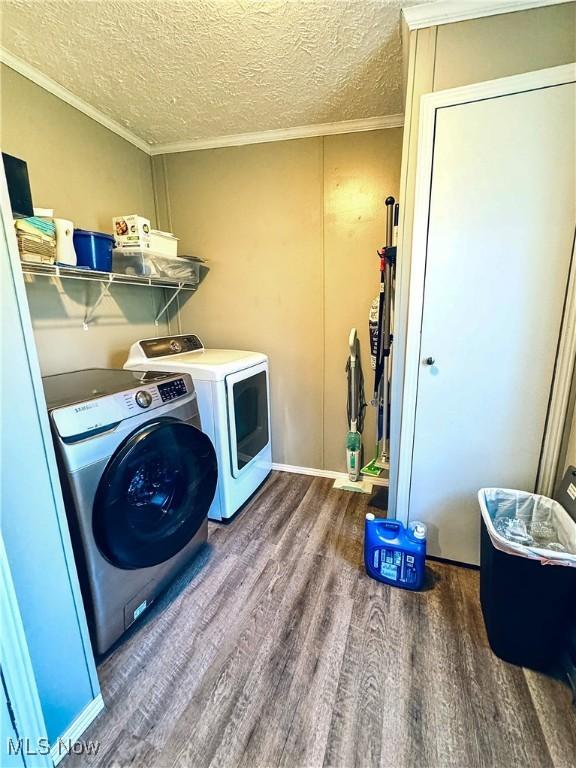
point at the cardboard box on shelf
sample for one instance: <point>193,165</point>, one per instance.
<point>131,231</point>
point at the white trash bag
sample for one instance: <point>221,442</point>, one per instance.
<point>529,525</point>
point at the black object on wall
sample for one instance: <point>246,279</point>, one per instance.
<point>18,186</point>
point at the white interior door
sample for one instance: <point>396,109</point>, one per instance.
<point>497,259</point>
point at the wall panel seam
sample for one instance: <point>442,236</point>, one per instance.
<point>434,58</point>
<point>154,192</point>
<point>167,193</point>
<point>323,278</point>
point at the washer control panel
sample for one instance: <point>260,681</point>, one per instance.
<point>78,420</point>
<point>143,398</point>
<point>172,389</point>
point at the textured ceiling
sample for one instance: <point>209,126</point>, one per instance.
<point>173,70</point>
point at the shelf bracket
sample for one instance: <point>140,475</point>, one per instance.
<point>165,307</point>
<point>91,311</point>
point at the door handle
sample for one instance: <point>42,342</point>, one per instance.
<point>429,361</point>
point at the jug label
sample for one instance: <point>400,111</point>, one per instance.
<point>396,566</point>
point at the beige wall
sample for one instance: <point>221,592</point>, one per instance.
<point>454,55</point>
<point>290,230</point>
<point>360,171</point>
<point>87,174</point>
<point>76,166</point>
<point>509,44</point>
<point>255,213</point>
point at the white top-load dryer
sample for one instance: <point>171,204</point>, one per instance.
<point>233,394</point>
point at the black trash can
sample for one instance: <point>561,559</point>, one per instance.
<point>528,608</point>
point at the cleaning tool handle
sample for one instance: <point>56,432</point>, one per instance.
<point>352,344</point>
<point>390,205</point>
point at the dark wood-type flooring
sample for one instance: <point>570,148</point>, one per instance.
<point>275,649</point>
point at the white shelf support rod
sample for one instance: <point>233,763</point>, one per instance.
<point>165,307</point>
<point>90,312</point>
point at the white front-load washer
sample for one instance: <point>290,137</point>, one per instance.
<point>233,394</point>
<point>138,477</point>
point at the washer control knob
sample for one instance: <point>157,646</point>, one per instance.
<point>143,398</point>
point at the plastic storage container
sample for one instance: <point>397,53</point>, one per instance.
<point>150,263</point>
<point>175,267</point>
<point>394,554</point>
<point>137,262</point>
<point>93,249</point>
<point>527,591</point>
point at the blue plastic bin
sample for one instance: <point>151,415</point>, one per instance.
<point>93,249</point>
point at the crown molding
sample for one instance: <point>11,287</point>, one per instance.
<point>449,11</point>
<point>237,140</point>
<point>45,82</point>
<point>281,134</point>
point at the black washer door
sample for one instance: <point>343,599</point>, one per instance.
<point>154,494</point>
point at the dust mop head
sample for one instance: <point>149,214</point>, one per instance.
<point>372,469</point>
<point>358,486</point>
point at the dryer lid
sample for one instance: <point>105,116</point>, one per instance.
<point>201,364</point>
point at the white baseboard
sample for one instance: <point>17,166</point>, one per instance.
<point>323,473</point>
<point>76,729</point>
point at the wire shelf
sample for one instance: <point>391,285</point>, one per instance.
<point>108,279</point>
<point>111,278</point>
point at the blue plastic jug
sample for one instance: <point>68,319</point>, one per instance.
<point>394,554</point>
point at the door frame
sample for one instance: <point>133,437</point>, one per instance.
<point>19,646</point>
<point>558,405</point>
<point>18,673</point>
